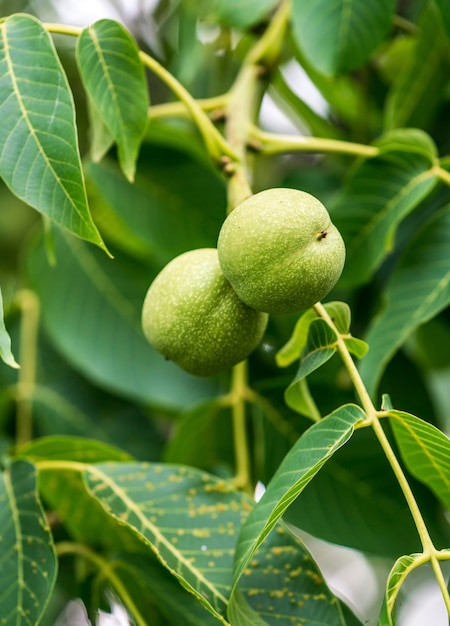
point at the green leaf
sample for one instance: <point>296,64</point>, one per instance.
<point>203,437</point>
<point>425,451</point>
<point>233,12</point>
<point>417,290</point>
<point>402,567</point>
<point>153,218</point>
<point>5,341</point>
<point>77,449</point>
<point>320,347</point>
<point>111,70</point>
<point>284,586</point>
<point>190,520</point>
<point>39,160</point>
<point>300,465</point>
<point>359,488</point>
<point>101,138</point>
<point>444,8</point>
<point>368,214</point>
<point>148,584</point>
<point>28,560</point>
<point>292,350</point>
<point>420,86</point>
<point>340,35</point>
<point>99,331</point>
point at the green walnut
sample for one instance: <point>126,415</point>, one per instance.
<point>192,315</point>
<point>280,251</point>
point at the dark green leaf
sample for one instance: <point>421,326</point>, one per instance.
<point>92,314</point>
<point>109,63</point>
<point>149,584</point>
<point>5,342</point>
<point>420,86</point>
<point>368,214</point>
<point>39,159</point>
<point>155,217</point>
<point>301,464</point>
<point>340,35</point>
<point>417,290</point>
<point>203,437</point>
<point>425,451</point>
<point>28,560</point>
<point>283,585</point>
<point>444,9</point>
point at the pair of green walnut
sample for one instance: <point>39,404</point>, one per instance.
<point>277,252</point>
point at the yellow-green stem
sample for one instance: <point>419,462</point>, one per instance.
<point>68,548</point>
<point>179,109</point>
<point>429,549</point>
<point>237,398</point>
<point>271,143</point>
<point>444,175</point>
<point>350,366</point>
<point>214,141</point>
<point>27,374</point>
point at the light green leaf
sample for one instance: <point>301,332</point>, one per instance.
<point>417,290</point>
<point>320,347</point>
<point>402,567</point>
<point>190,520</point>
<point>368,214</point>
<point>92,314</point>
<point>39,159</point>
<point>233,12</point>
<point>340,35</point>
<point>292,350</point>
<point>300,465</point>
<point>5,341</point>
<point>425,450</point>
<point>77,449</point>
<point>101,138</point>
<point>28,560</point>
<point>114,78</point>
<point>421,86</point>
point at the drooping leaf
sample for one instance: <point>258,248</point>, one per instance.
<point>402,567</point>
<point>92,314</point>
<point>28,560</point>
<point>63,489</point>
<point>417,290</point>
<point>5,341</point>
<point>190,520</point>
<point>425,450</point>
<point>101,138</point>
<point>39,156</point>
<point>369,509</point>
<point>420,87</point>
<point>300,465</point>
<point>340,35</point>
<point>109,63</point>
<point>368,214</point>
